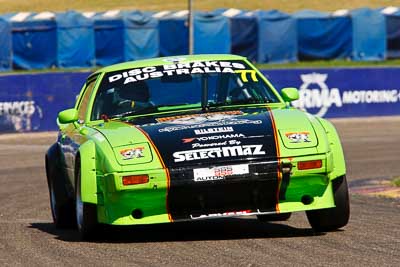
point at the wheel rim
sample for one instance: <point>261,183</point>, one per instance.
<point>79,206</point>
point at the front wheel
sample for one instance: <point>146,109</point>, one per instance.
<point>325,220</point>
<point>62,206</point>
<point>86,213</point>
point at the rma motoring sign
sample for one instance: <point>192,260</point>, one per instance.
<point>348,92</point>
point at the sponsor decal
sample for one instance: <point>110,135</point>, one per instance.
<point>218,152</point>
<point>198,118</point>
<point>206,120</point>
<point>219,173</point>
<point>298,137</point>
<point>225,214</point>
<point>315,94</point>
<point>197,67</point>
<point>230,142</point>
<point>218,137</point>
<point>214,130</point>
<point>132,153</point>
<point>212,138</point>
<point>243,75</point>
<point>225,122</point>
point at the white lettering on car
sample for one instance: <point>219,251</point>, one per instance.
<point>145,73</point>
<point>233,121</point>
<point>213,137</point>
<point>214,130</point>
<point>218,152</point>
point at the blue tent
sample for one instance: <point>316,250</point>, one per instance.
<point>322,36</point>
<point>5,44</point>
<point>369,34</point>
<point>109,38</point>
<point>34,40</point>
<point>141,35</point>
<point>211,34</point>
<point>244,32</point>
<point>75,43</point>
<point>392,16</point>
<point>174,33</point>
<point>277,34</point>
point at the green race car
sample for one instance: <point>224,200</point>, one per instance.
<point>191,138</point>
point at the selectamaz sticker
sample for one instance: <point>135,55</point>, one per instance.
<point>218,152</point>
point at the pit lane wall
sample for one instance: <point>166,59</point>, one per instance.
<point>31,102</point>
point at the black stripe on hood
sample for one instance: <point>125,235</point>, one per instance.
<point>216,139</point>
<point>213,138</point>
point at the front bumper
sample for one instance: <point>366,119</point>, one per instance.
<point>173,195</point>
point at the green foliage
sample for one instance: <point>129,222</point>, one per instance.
<point>396,181</point>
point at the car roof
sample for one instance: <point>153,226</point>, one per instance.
<point>168,60</point>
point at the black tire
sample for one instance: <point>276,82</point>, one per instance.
<point>326,220</point>
<point>61,204</point>
<point>274,217</point>
<point>86,213</point>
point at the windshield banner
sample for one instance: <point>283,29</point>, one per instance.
<point>345,92</point>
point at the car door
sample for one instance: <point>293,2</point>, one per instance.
<point>71,136</point>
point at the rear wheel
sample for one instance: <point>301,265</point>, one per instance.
<point>61,204</point>
<point>86,213</point>
<point>333,218</point>
<point>274,217</point>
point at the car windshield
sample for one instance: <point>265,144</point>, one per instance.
<point>199,84</point>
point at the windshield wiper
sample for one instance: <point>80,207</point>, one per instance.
<point>177,106</point>
<point>233,103</point>
<point>134,112</point>
<point>248,102</point>
<point>152,109</point>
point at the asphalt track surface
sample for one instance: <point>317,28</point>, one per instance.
<point>372,237</point>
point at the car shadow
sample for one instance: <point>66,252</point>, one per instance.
<point>218,229</point>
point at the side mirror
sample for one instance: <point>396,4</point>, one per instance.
<point>290,94</point>
<point>68,116</point>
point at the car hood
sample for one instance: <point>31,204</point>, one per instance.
<point>214,137</point>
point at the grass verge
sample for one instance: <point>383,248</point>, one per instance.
<point>396,181</point>
<point>7,6</point>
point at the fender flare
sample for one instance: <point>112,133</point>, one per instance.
<point>52,157</point>
<point>87,160</point>
<point>54,164</point>
<point>339,164</point>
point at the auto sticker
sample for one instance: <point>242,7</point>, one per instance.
<point>219,173</point>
